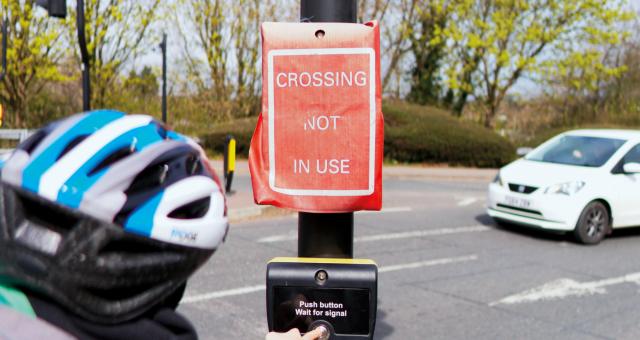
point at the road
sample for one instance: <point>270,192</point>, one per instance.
<point>446,272</point>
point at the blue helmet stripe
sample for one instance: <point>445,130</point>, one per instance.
<point>41,163</point>
<point>72,192</point>
<point>141,220</point>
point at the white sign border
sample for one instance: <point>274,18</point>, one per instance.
<point>372,120</point>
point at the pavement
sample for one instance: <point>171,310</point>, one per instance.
<point>242,207</point>
<point>446,270</point>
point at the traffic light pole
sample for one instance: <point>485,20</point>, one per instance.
<point>326,235</point>
<point>58,9</point>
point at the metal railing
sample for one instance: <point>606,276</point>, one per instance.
<point>13,134</point>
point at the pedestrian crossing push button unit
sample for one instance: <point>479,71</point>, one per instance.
<point>337,294</point>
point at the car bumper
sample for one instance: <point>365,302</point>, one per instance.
<point>528,221</point>
<point>553,212</point>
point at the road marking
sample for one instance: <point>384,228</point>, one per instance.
<point>422,233</point>
<point>279,238</point>
<point>429,263</point>
<point>467,201</point>
<point>389,236</point>
<point>294,235</point>
<point>385,210</point>
<point>384,269</point>
<point>223,293</point>
<point>562,288</point>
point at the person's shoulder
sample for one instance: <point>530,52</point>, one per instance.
<point>16,325</point>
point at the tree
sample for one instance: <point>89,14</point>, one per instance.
<point>116,32</point>
<point>222,57</point>
<point>519,37</point>
<point>394,17</point>
<point>372,9</point>
<point>143,84</point>
<point>465,34</point>
<point>137,92</point>
<point>608,90</point>
<point>208,18</point>
<point>622,93</point>
<point>247,51</point>
<point>428,48</point>
<point>32,57</point>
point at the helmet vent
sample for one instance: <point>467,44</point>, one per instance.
<point>33,141</point>
<point>149,179</point>
<point>112,158</point>
<point>162,131</point>
<point>195,209</point>
<point>193,165</point>
<point>72,145</point>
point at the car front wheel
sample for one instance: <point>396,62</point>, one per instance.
<point>593,224</point>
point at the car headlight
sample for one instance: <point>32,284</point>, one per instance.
<point>498,179</point>
<point>567,188</point>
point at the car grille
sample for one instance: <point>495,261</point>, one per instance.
<point>520,188</point>
<point>529,211</point>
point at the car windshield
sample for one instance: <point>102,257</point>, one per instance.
<point>576,150</point>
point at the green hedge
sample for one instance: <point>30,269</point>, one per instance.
<point>416,133</point>
<point>241,129</point>
<point>413,134</point>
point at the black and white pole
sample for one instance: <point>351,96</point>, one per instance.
<point>326,235</point>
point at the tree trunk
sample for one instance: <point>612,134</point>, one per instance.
<point>490,114</point>
<point>460,103</point>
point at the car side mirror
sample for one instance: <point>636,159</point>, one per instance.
<point>631,168</point>
<point>523,151</point>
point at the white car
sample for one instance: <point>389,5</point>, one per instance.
<point>584,181</point>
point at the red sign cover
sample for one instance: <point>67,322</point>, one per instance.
<point>319,140</point>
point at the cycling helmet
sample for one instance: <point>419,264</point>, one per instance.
<point>108,214</point>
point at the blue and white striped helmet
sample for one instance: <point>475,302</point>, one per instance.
<point>141,187</point>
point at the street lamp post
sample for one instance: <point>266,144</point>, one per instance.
<point>163,47</point>
<point>5,31</point>
<point>84,53</point>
